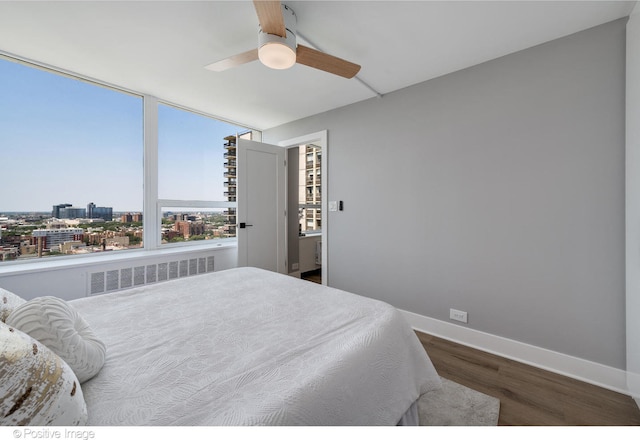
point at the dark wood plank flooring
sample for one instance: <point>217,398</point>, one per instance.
<point>530,396</point>
<point>313,276</point>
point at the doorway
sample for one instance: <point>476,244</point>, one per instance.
<point>307,158</point>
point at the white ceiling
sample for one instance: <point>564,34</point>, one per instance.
<point>161,47</point>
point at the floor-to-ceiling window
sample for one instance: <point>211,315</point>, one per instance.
<point>74,175</point>
<point>193,175</point>
<point>71,155</point>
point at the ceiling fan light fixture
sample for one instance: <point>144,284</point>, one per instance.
<point>277,52</point>
<point>277,47</point>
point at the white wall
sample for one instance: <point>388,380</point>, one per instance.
<point>69,280</point>
<point>633,203</point>
<point>497,190</point>
<point>308,246</point>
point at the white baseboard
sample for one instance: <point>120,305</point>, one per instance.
<point>587,371</point>
<point>633,384</point>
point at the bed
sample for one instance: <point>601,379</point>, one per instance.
<point>246,346</point>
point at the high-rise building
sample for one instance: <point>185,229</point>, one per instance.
<point>56,209</point>
<point>310,194</point>
<point>72,212</point>
<point>103,212</point>
<point>230,182</point>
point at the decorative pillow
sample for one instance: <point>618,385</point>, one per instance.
<point>8,302</point>
<point>37,387</point>
<point>56,324</point>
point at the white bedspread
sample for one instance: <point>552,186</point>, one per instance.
<point>250,347</point>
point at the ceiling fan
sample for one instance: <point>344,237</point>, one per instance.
<point>277,47</point>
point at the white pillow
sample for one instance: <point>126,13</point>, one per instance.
<point>8,302</point>
<point>56,324</point>
<point>37,387</point>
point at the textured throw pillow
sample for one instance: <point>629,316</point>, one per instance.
<point>8,302</point>
<point>37,387</point>
<point>56,324</point>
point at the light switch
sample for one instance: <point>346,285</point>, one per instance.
<point>333,206</point>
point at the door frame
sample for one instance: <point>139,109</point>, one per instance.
<point>319,138</point>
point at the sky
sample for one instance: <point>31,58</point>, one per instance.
<point>68,141</point>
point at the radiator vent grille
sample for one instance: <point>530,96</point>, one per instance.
<point>112,280</point>
<point>133,276</point>
<point>97,283</point>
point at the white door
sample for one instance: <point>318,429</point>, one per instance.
<point>261,205</point>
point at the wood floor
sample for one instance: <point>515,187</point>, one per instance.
<point>313,276</point>
<point>530,396</point>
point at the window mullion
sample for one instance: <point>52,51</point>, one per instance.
<point>151,221</point>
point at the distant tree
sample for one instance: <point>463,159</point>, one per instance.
<point>133,239</point>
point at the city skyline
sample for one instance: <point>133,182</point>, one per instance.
<point>70,141</point>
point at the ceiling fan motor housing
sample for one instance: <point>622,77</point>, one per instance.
<point>279,52</point>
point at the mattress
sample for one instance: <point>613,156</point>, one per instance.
<point>250,347</point>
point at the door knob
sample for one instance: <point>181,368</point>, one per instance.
<point>243,225</point>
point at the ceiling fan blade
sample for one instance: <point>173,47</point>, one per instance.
<point>270,17</point>
<point>320,60</point>
<point>233,61</point>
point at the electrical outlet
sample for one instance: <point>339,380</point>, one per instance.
<point>458,315</point>
<point>295,266</point>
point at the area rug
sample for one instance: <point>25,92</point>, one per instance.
<point>457,405</point>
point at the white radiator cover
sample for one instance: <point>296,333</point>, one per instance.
<point>134,275</point>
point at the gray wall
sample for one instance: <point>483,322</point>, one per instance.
<point>633,203</point>
<point>497,190</point>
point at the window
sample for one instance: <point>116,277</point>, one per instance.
<point>196,176</point>
<point>74,168</point>
<point>72,154</point>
